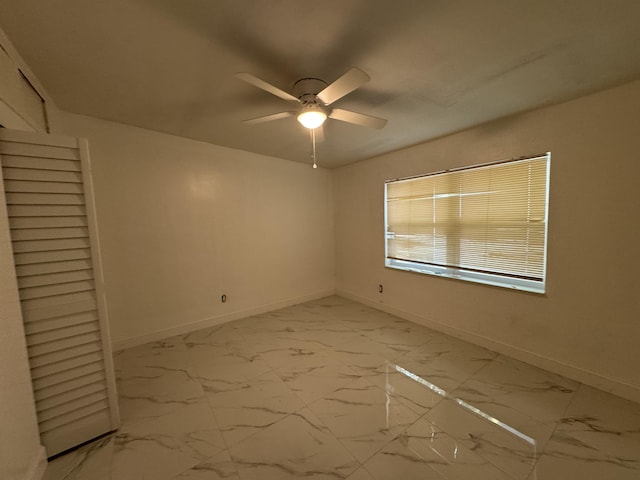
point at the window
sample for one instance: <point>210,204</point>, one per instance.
<point>486,223</point>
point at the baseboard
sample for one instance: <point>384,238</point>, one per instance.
<point>38,465</point>
<point>611,385</point>
<point>213,321</point>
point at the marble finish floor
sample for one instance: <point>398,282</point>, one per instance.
<point>332,389</point>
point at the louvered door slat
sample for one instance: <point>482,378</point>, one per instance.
<point>52,256</point>
<point>49,413</point>
<point>33,198</point>
<point>25,271</point>
<point>96,377</point>
<point>36,315</point>
<point>60,389</point>
<point>27,246</point>
<point>49,203</point>
<point>49,233</point>
<point>45,210</point>
<point>39,163</point>
<point>56,289</point>
<point>23,186</point>
<point>41,175</point>
<point>38,151</point>
<point>64,345</point>
<point>67,370</point>
<point>46,222</point>
<point>41,326</point>
<point>61,355</point>
<point>45,151</point>
<point>54,278</point>
<point>58,300</point>
<point>76,432</point>
<point>48,401</point>
<point>61,333</point>
<point>64,419</point>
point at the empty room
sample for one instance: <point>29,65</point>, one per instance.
<point>359,240</point>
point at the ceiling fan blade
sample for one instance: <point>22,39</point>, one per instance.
<point>268,118</point>
<point>347,83</point>
<point>267,87</point>
<point>357,118</point>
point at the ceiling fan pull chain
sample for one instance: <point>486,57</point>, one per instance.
<point>313,143</point>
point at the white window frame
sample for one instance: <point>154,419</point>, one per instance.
<point>459,273</point>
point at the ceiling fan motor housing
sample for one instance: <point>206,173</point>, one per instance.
<point>307,89</point>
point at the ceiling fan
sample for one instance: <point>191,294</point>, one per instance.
<point>315,97</point>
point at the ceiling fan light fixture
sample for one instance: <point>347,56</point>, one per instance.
<point>312,117</point>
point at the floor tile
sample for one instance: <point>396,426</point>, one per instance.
<point>424,454</point>
<point>604,422</point>
<point>167,445</point>
<point>445,361</point>
<point>92,461</point>
<point>363,356</point>
<point>205,355</point>
<point>298,446</point>
<point>363,417</point>
<point>217,368</point>
<point>598,437</point>
<point>507,385</point>
<point>290,352</point>
<point>510,447</point>
<point>564,458</point>
<point>225,335</point>
<point>360,474</point>
<point>252,406</point>
<point>218,467</point>
<point>401,335</point>
<point>407,388</point>
<point>152,360</point>
<point>313,382</point>
<point>151,398</point>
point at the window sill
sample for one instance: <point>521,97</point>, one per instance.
<point>531,286</point>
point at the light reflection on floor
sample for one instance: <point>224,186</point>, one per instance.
<point>464,404</point>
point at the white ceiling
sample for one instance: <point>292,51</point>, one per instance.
<point>436,66</point>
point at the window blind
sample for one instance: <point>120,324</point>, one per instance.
<point>489,219</point>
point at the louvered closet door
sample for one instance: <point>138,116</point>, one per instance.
<point>50,206</point>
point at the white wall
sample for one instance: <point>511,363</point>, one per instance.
<point>587,325</point>
<point>182,222</point>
